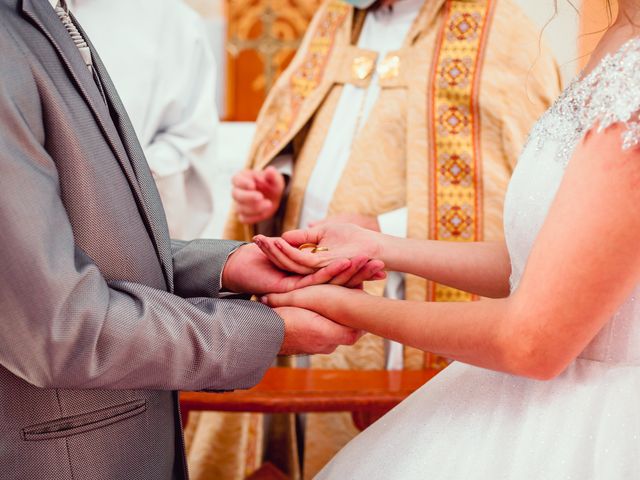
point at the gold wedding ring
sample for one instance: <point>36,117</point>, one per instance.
<point>314,248</point>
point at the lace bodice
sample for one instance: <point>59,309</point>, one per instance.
<point>609,94</point>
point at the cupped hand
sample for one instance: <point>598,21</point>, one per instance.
<point>257,194</point>
<point>307,332</point>
<point>342,241</point>
<point>248,270</point>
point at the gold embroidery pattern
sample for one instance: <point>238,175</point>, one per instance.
<point>455,73</point>
<point>455,164</point>
<point>309,74</point>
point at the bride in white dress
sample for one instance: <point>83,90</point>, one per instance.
<point>546,382</point>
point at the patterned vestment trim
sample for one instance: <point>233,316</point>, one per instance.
<point>309,75</point>
<point>455,163</point>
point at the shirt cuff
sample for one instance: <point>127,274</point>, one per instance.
<point>284,164</point>
<point>394,222</point>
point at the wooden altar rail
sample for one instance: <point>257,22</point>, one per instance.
<point>366,394</point>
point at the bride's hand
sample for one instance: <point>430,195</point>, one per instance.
<point>340,241</point>
<point>321,299</point>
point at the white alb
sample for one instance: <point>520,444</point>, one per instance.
<point>472,423</point>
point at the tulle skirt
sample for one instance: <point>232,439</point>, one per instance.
<point>471,423</point>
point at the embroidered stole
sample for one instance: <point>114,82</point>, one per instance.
<point>455,163</point>
<point>306,78</point>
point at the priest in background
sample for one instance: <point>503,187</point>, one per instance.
<point>160,59</point>
<point>401,116</point>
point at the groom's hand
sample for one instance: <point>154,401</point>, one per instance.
<point>307,332</point>
<point>248,270</point>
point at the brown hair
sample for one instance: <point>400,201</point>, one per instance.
<point>610,18</point>
<point>609,9</point>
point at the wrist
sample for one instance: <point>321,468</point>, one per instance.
<point>229,272</point>
<point>332,300</point>
<point>285,348</point>
<point>385,250</point>
<point>338,304</point>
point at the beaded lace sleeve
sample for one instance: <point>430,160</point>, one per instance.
<point>608,95</point>
<point>614,94</point>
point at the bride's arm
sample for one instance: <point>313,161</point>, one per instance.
<point>482,268</point>
<point>584,265</point>
<point>479,268</point>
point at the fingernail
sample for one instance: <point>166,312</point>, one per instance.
<point>264,299</point>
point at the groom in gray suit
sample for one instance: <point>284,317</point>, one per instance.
<point>102,317</point>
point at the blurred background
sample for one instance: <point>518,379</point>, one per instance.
<point>253,41</point>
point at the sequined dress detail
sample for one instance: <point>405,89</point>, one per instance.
<point>472,423</point>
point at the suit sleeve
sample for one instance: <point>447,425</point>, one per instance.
<point>198,266</point>
<point>64,326</point>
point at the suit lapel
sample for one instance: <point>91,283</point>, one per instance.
<point>41,13</point>
<point>115,125</point>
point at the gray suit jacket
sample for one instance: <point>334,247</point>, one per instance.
<point>101,315</point>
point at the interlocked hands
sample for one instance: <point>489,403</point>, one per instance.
<point>277,266</point>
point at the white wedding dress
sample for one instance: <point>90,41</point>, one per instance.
<point>472,423</point>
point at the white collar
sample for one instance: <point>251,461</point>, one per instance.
<point>54,3</point>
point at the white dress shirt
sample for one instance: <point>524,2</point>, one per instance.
<point>159,58</point>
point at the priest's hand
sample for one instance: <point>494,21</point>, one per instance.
<point>257,194</point>
<point>308,332</point>
<point>249,270</point>
<point>336,242</point>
